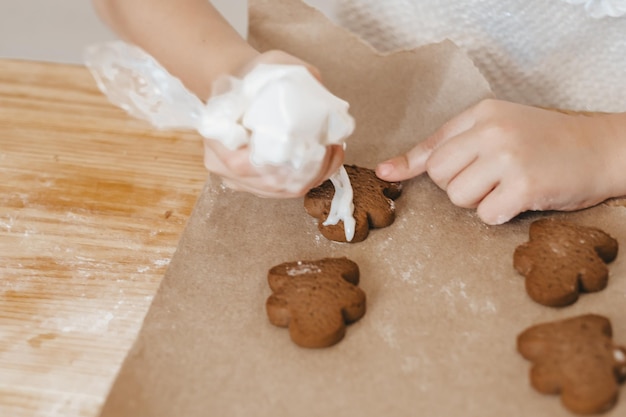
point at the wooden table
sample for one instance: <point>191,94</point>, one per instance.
<point>92,204</point>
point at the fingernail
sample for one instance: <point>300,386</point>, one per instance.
<point>385,168</point>
<point>501,219</point>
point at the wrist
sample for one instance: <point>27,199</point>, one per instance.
<point>609,130</point>
<point>616,132</point>
<point>228,58</point>
<point>238,59</point>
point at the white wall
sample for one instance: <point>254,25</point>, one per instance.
<point>55,30</point>
<point>59,30</point>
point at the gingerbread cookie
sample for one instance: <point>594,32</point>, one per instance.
<point>577,359</point>
<point>562,259</point>
<point>373,204</point>
<point>315,299</point>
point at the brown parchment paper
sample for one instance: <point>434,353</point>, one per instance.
<point>444,302</point>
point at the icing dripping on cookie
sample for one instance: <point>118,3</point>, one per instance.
<point>619,354</point>
<point>342,204</point>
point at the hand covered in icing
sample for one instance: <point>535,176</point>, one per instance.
<point>504,158</point>
<point>276,136</point>
<point>239,173</point>
<point>271,129</point>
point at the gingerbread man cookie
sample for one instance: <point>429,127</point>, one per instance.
<point>562,259</point>
<point>577,359</point>
<point>373,204</point>
<point>315,299</point>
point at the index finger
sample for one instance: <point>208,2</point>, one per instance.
<point>413,163</point>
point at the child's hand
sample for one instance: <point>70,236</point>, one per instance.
<point>192,40</point>
<point>236,169</point>
<point>240,174</point>
<point>504,158</point>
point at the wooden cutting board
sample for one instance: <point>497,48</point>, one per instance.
<point>92,204</point>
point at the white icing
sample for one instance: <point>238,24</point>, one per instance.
<point>282,112</point>
<point>342,205</point>
<point>292,117</point>
<point>303,268</point>
<point>620,358</point>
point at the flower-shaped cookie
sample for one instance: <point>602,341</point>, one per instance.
<point>577,359</point>
<point>373,204</point>
<point>315,299</point>
<point>562,259</point>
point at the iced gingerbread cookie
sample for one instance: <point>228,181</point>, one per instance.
<point>373,204</point>
<point>315,299</point>
<point>577,359</point>
<point>562,259</point>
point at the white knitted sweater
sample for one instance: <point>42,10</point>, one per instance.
<point>557,53</point>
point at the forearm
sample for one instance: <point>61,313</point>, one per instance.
<point>189,37</point>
